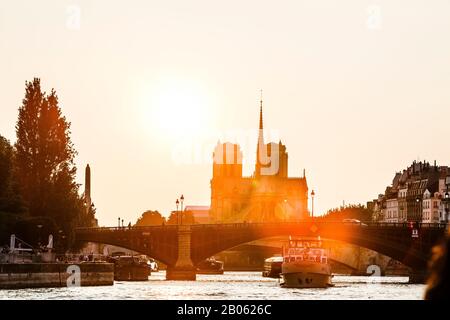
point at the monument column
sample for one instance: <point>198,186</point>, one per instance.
<point>87,187</point>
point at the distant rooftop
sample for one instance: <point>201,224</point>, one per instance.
<point>197,208</point>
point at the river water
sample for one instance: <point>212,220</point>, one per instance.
<point>231,285</point>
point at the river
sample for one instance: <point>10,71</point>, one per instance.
<point>231,285</point>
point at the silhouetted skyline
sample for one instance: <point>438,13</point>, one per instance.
<point>355,93</point>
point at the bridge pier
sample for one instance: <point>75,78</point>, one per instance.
<point>184,268</point>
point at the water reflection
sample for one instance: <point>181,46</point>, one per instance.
<point>231,285</point>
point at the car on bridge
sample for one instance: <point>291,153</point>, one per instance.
<point>354,222</point>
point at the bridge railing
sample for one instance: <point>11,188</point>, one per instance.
<point>273,224</point>
<point>337,223</point>
<point>139,228</point>
<point>408,224</point>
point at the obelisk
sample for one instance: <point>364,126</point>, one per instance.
<point>87,187</point>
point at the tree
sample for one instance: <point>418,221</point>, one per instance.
<point>6,154</point>
<point>185,217</point>
<point>150,218</point>
<point>87,218</point>
<point>359,212</point>
<point>45,153</point>
<point>11,204</point>
<point>35,230</point>
<point>45,161</point>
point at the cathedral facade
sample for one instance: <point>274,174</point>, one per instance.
<point>269,195</point>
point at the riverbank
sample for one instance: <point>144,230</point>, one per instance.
<point>44,275</point>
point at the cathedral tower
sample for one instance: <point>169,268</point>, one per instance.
<point>269,195</point>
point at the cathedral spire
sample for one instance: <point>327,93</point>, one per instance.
<point>260,139</point>
<point>261,112</point>
<point>261,126</point>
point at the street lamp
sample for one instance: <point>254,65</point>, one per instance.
<point>39,226</point>
<point>61,234</point>
<point>312,203</point>
<point>178,218</point>
<point>118,221</point>
<point>446,206</point>
<point>418,209</point>
<point>181,217</point>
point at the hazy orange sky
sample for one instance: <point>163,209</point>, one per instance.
<point>356,89</point>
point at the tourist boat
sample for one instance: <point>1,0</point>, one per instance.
<point>272,267</point>
<point>210,266</point>
<point>305,265</point>
<point>130,268</point>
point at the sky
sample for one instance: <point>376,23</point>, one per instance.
<point>355,89</point>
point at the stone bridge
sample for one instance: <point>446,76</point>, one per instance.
<point>181,247</point>
<point>348,257</point>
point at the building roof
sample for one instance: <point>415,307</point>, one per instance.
<point>196,208</point>
<point>396,180</point>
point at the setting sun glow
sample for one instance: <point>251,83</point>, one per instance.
<point>178,108</point>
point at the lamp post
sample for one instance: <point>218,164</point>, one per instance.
<point>312,203</point>
<point>60,233</point>
<point>446,206</point>
<point>418,209</point>
<point>178,218</point>
<point>181,216</point>
<point>118,221</point>
<point>39,226</point>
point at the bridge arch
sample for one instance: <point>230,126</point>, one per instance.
<point>158,242</point>
<point>273,247</point>
<point>394,242</point>
<point>194,243</point>
<point>345,256</point>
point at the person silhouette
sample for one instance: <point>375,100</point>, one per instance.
<point>438,284</point>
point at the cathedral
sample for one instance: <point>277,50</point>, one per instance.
<point>269,195</point>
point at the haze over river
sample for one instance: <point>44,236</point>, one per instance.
<point>231,285</point>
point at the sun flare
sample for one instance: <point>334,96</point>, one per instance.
<point>179,108</point>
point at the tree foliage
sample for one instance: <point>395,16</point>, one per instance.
<point>44,163</point>
<point>355,211</point>
<point>11,204</point>
<point>6,154</point>
<point>150,218</point>
<point>185,217</point>
<point>44,151</point>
